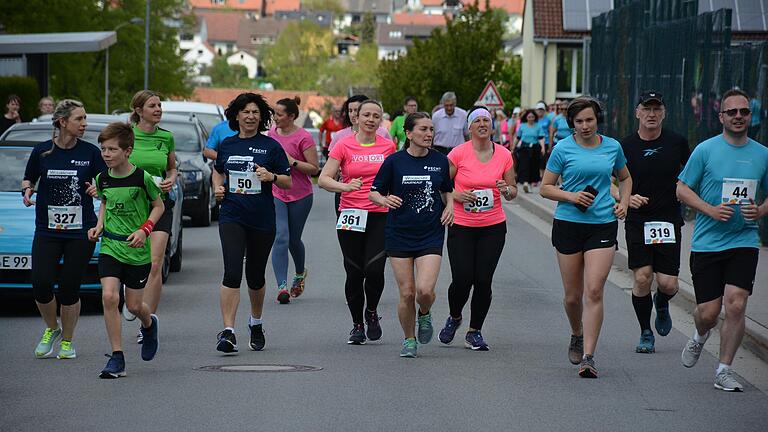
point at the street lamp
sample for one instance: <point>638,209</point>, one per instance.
<point>132,21</point>
<point>146,47</point>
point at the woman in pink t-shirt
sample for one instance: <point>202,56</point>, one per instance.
<point>360,227</point>
<point>482,172</point>
<point>292,205</point>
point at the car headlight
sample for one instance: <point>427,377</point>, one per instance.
<point>192,176</point>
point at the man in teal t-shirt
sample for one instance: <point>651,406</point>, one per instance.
<point>722,179</point>
<point>397,130</point>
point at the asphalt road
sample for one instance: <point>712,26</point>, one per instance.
<point>524,383</point>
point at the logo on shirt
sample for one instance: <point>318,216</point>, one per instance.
<point>240,159</point>
<point>374,158</point>
<point>651,152</point>
<point>80,163</point>
<point>61,174</point>
<point>431,169</point>
<point>415,179</point>
<point>257,150</point>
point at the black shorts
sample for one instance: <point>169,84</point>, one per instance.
<point>132,276</point>
<point>165,222</point>
<point>574,237</point>
<point>664,258</point>
<point>712,271</point>
<point>415,254</point>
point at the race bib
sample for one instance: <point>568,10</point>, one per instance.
<point>352,220</point>
<point>659,233</point>
<point>65,217</point>
<point>482,203</point>
<point>244,182</point>
<point>739,191</point>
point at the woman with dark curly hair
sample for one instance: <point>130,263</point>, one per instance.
<point>247,165</point>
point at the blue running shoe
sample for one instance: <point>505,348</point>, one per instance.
<point>474,341</point>
<point>425,331</point>
<point>647,342</point>
<point>663,319</point>
<point>449,331</point>
<point>151,341</point>
<point>409,348</point>
<point>115,367</point>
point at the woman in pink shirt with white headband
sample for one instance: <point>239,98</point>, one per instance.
<point>482,172</point>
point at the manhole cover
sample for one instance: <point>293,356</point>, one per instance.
<point>262,368</point>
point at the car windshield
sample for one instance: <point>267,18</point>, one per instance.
<point>208,120</point>
<point>14,162</point>
<point>184,136</point>
<point>39,135</point>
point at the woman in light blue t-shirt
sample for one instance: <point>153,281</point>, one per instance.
<point>584,229</point>
<point>529,146</point>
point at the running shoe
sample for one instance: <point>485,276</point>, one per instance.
<point>227,342</point>
<point>647,342</point>
<point>126,313</point>
<point>139,337</point>
<point>663,319</point>
<point>587,367</point>
<point>526,188</point>
<point>49,339</point>
<point>115,367</point>
<point>257,337</point>
<point>374,328</point>
<point>474,341</point>
<point>283,296</point>
<point>151,340</point>
<point>449,331</point>
<point>726,381</point>
<point>409,348</point>
<point>357,335</point>
<point>691,353</point>
<point>576,349</point>
<point>425,330</point>
<point>66,350</point>
<point>297,286</point>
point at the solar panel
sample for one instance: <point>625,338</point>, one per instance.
<point>578,14</point>
<point>746,15</point>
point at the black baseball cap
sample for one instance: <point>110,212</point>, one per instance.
<point>651,95</point>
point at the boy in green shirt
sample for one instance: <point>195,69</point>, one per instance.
<point>130,207</point>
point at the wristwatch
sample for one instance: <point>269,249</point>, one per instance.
<point>295,163</point>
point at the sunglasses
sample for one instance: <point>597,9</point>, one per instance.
<point>732,112</point>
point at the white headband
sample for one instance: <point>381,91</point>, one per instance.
<point>480,112</point>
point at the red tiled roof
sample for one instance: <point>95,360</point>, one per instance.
<point>410,18</point>
<point>241,5</point>
<point>510,6</point>
<point>548,21</point>
<point>222,26</point>
<point>309,100</point>
<point>273,6</point>
<point>433,3</point>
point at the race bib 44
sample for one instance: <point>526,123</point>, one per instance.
<point>739,191</point>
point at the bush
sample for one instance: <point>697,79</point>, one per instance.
<point>26,89</point>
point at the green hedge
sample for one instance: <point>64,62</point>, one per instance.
<point>26,89</point>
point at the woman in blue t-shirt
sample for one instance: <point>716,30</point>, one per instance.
<point>584,229</point>
<point>529,143</point>
<point>62,169</point>
<point>247,165</point>
<point>415,185</point>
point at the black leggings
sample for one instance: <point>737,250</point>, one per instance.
<point>46,255</point>
<point>364,260</point>
<point>238,241</point>
<point>474,254</point>
<point>530,159</point>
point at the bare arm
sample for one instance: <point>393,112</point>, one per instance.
<point>309,167</point>
<point>218,185</point>
<point>625,192</point>
<point>328,182</point>
<point>687,196</point>
<point>170,173</point>
<point>550,190</point>
<point>210,153</point>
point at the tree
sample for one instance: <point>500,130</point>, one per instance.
<point>461,58</point>
<point>368,28</point>
<point>510,79</point>
<point>351,71</point>
<point>225,75</point>
<point>81,75</point>
<point>298,56</point>
<point>323,6</point>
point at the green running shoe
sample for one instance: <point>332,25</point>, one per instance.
<point>67,350</point>
<point>409,348</point>
<point>49,339</point>
<point>425,330</point>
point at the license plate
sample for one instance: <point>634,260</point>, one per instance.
<point>16,262</point>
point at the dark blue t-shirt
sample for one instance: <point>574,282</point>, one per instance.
<point>60,182</point>
<point>418,181</point>
<point>242,204</point>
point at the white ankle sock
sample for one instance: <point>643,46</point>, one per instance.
<point>230,329</point>
<point>254,321</point>
<point>721,367</point>
<point>700,338</point>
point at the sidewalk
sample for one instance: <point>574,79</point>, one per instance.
<point>757,308</point>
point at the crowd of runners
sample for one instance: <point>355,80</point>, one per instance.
<point>399,193</point>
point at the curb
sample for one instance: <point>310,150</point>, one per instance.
<point>756,335</point>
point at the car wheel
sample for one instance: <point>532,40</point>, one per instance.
<point>175,265</point>
<point>202,217</point>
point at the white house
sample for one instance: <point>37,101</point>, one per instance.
<point>244,58</point>
<point>199,57</point>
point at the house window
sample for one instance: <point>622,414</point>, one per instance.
<point>569,71</point>
<point>395,34</point>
